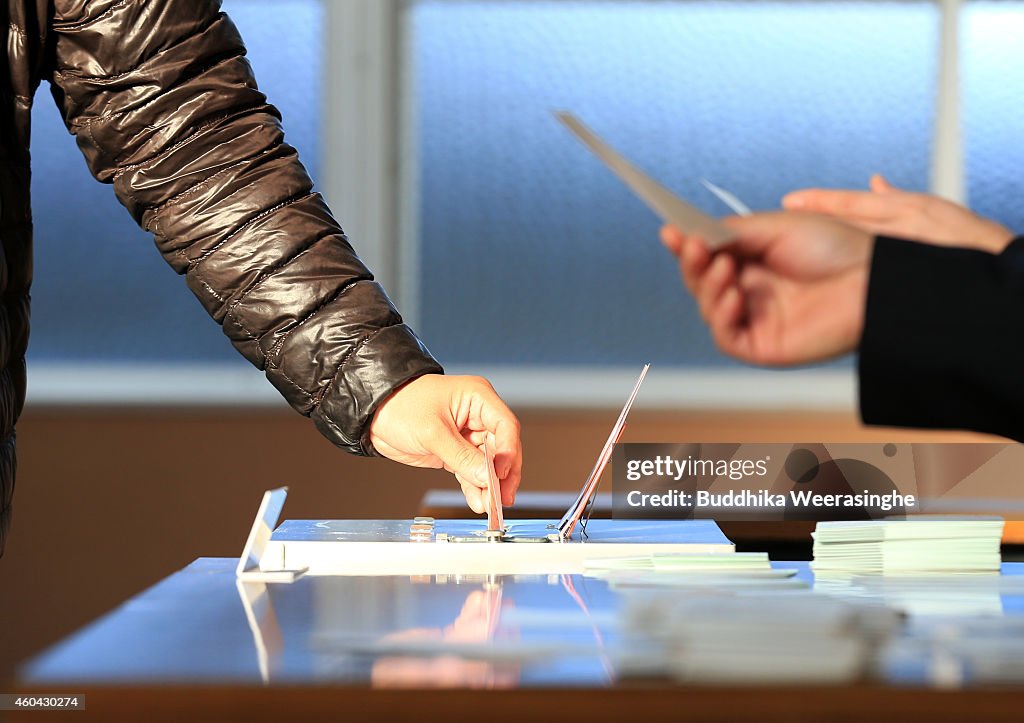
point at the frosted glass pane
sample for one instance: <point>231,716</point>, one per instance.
<point>101,290</point>
<point>993,90</point>
<point>532,252</point>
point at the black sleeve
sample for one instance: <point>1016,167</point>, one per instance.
<point>943,343</point>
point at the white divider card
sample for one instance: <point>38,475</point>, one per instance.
<point>250,563</point>
<point>576,511</point>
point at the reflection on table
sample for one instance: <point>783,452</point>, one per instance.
<point>489,632</point>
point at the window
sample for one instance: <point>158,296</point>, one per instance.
<point>514,252</point>
<point>530,252</point>
<point>993,86</point>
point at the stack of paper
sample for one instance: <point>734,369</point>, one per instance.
<point>717,563</point>
<point>917,545</point>
<point>688,570</point>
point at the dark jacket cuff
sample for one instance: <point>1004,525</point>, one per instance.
<point>388,359</point>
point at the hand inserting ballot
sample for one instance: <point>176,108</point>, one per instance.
<point>789,289</point>
<point>442,422</point>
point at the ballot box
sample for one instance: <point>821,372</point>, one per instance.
<point>395,547</point>
<point>789,539</point>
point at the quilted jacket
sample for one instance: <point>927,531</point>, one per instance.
<point>164,106</point>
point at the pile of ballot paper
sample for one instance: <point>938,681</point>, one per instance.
<point>692,570</point>
<point>678,562</point>
<point>916,545</point>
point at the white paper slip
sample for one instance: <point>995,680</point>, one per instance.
<point>731,583</point>
<point>729,199</point>
<point>669,207</point>
<point>737,563</point>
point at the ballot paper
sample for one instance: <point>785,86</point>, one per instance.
<point>693,571</point>
<point>913,546</point>
<point>736,562</point>
<point>495,518</point>
<point>669,207</point>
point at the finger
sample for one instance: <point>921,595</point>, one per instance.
<point>727,314</point>
<point>672,239</point>
<point>512,473</point>
<point>797,200</point>
<point>694,260</point>
<point>720,275</point>
<point>513,476</point>
<point>457,455</point>
<point>499,421</point>
<point>879,184</point>
<point>478,437</point>
<point>726,322</point>
<point>474,496</point>
<point>853,205</point>
<point>756,233</point>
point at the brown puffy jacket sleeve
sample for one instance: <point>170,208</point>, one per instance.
<point>165,107</point>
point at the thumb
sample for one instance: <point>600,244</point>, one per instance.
<point>879,184</point>
<point>755,233</point>
<point>459,456</point>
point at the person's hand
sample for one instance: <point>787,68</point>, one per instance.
<point>889,211</point>
<point>443,421</point>
<point>790,289</point>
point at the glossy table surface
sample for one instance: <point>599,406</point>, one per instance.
<point>201,625</point>
<point>200,646</point>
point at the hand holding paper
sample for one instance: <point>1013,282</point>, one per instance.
<point>790,289</point>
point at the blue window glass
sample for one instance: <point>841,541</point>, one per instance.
<point>531,252</point>
<point>993,87</point>
<point>101,291</point>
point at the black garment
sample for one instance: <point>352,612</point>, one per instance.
<point>943,342</point>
